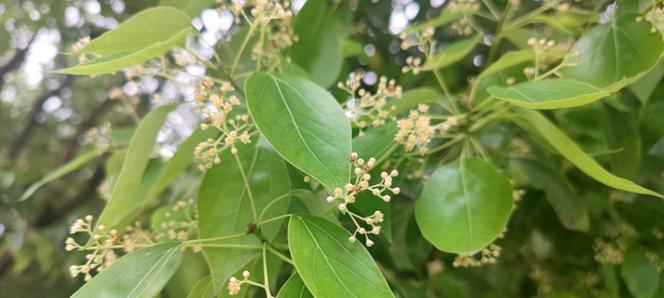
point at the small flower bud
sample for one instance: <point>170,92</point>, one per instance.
<point>369,243</point>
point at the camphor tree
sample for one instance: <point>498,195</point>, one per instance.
<point>517,150</point>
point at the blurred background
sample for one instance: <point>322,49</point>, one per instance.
<point>45,117</point>
<point>47,120</point>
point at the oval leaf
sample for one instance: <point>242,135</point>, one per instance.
<point>304,124</point>
<point>150,26</point>
<point>147,35</point>
<point>576,156</point>
<point>464,206</point>
<point>224,207</point>
<point>122,202</point>
<point>294,288</point>
<point>318,49</point>
<point>610,52</point>
<point>551,94</point>
<point>452,53</point>
<point>329,264</point>
<point>139,274</point>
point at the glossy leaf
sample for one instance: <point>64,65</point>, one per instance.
<point>304,124</point>
<point>318,49</point>
<point>464,206</point>
<point>329,264</point>
<point>294,288</point>
<point>452,53</point>
<point>224,206</point>
<point>551,94</point>
<point>62,170</point>
<point>139,274</point>
<point>119,61</point>
<point>639,273</point>
<point>146,35</point>
<point>622,48</point>
<point>122,203</point>
<point>567,148</point>
<point>565,202</point>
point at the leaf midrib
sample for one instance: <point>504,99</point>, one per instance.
<point>297,129</point>
<point>319,250</point>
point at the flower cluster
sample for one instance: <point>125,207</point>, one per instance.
<point>78,46</point>
<point>488,255</point>
<point>180,222</point>
<point>415,131</point>
<point>274,19</point>
<point>611,249</point>
<point>463,25</point>
<point>100,137</point>
<point>421,40</point>
<point>235,285</point>
<point>216,103</point>
<point>102,244</point>
<point>364,108</point>
<point>655,16</point>
<point>609,252</point>
<point>361,184</point>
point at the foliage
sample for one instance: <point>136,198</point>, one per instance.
<point>517,151</point>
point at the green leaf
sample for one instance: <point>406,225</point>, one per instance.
<point>119,61</point>
<point>141,31</point>
<point>610,52</point>
<point>576,156</point>
<point>329,264</point>
<point>122,203</point>
<point>304,124</point>
<point>639,274</point>
<point>224,206</point>
<point>192,7</point>
<point>552,94</point>
<point>411,98</point>
<point>62,170</point>
<point>318,49</point>
<point>139,274</point>
<point>565,202</point>
<point>294,288</point>
<point>203,288</point>
<point>464,206</point>
<point>377,142</point>
<point>452,53</point>
<point>147,35</point>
